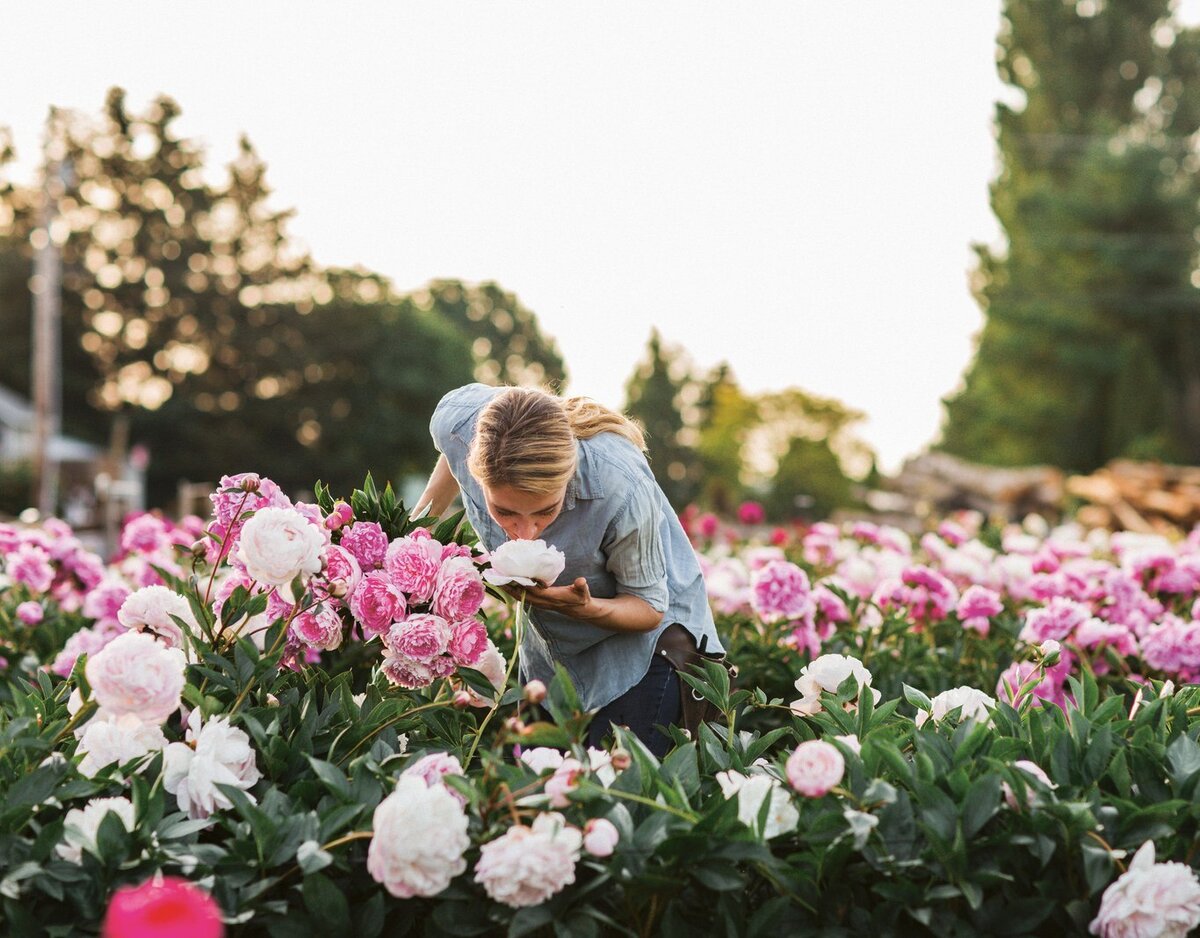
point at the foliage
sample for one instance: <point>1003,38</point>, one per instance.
<point>1091,345</point>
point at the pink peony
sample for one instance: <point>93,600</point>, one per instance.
<point>1058,619</point>
<point>105,599</point>
<point>367,542</point>
<point>1049,688</point>
<point>528,865</point>
<point>319,627</point>
<point>564,780</point>
<point>1149,900</point>
<point>136,674</point>
<point>468,641</point>
<point>30,565</point>
<point>376,604</point>
<point>165,905</point>
<point>976,606</point>
<point>340,573</point>
<point>1034,771</point>
<point>815,767</point>
<point>1173,646</point>
<point>780,590</point>
<point>404,672</point>
<point>412,563</point>
<point>31,613</point>
<point>751,513</point>
<point>458,589</point>
<point>145,534</point>
<point>421,637</point>
<point>493,666</point>
<point>341,515</point>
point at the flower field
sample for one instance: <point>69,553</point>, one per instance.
<point>306,719</point>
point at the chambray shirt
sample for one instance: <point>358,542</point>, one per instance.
<point>617,530</point>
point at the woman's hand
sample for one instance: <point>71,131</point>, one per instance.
<point>621,613</point>
<point>573,600</point>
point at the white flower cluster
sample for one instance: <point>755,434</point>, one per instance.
<point>420,838</point>
<point>528,865</point>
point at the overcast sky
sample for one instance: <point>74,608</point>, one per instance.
<point>792,187</point>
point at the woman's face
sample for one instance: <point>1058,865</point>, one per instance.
<point>522,515</point>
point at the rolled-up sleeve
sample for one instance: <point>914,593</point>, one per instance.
<point>634,548</point>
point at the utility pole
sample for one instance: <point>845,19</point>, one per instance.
<point>47,326</point>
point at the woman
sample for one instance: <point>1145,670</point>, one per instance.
<point>631,599</point>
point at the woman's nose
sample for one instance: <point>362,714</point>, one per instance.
<point>523,529</point>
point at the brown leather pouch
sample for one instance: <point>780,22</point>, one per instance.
<point>678,647</point>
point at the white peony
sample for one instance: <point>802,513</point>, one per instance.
<point>1149,900</point>
<point>222,756</point>
<point>527,563</point>
<point>528,865</point>
<point>827,673</point>
<point>150,610</point>
<point>751,791</point>
<point>136,674</point>
<point>80,826</point>
<point>116,737</point>
<point>419,841</point>
<point>975,704</point>
<point>279,544</point>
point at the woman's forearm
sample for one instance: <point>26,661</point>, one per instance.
<point>623,613</point>
<point>440,491</point>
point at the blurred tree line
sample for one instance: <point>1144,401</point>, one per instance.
<point>1091,343</point>
<point>713,445</point>
<point>190,314</point>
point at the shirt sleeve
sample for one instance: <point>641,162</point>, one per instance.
<point>453,411</point>
<point>634,547</point>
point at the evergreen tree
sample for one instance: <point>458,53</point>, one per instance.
<point>1091,344</point>
<point>657,395</point>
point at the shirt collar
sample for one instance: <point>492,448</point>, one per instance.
<point>586,482</point>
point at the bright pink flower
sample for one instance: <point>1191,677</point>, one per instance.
<point>412,563</point>
<point>468,640</point>
<point>421,637</point>
<point>707,524</point>
<point>167,906</point>
<point>815,767</point>
<point>145,534</point>
<point>780,590</point>
<point>367,542</point>
<point>751,513</point>
<point>1173,646</point>
<point>376,604</point>
<point>458,589</point>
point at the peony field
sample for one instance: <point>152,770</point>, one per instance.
<point>290,719</point>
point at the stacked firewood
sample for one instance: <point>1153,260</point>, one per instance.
<point>1138,496</point>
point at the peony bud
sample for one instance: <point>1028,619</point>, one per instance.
<point>600,837</point>
<point>462,699</point>
<point>535,692</point>
<point>1051,651</point>
<point>621,759</point>
<point>342,514</point>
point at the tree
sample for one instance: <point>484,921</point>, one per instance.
<point>1091,343</point>
<point>658,395</point>
<point>189,312</point>
<point>728,415</point>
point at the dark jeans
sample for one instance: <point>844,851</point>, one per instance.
<point>652,700</point>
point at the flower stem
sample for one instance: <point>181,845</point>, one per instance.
<point>503,687</point>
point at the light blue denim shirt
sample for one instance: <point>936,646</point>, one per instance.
<point>617,530</point>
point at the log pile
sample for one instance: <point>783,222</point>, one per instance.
<point>936,484</point>
<point>1150,498</point>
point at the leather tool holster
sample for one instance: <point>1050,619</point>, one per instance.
<point>679,648</point>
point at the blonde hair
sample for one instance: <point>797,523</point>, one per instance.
<point>525,438</point>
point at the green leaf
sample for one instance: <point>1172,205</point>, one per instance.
<point>332,776</point>
<point>1183,755</point>
<point>326,903</point>
<point>982,801</point>
<point>529,920</point>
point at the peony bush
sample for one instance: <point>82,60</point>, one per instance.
<point>301,719</point>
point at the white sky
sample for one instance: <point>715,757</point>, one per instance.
<point>790,186</point>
